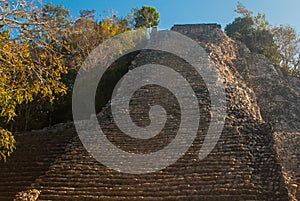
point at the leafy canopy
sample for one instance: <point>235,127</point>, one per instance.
<point>255,33</point>
<point>147,16</point>
<point>280,44</point>
<point>41,50</point>
<point>31,63</point>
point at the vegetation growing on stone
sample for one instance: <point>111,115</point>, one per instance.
<point>42,48</point>
<point>279,44</point>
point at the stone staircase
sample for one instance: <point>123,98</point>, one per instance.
<point>32,158</point>
<point>242,166</point>
<point>231,172</point>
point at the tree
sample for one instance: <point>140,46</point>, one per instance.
<point>280,45</point>
<point>41,50</point>
<point>56,13</point>
<point>260,22</point>
<point>255,32</point>
<point>86,34</point>
<point>89,14</point>
<point>241,9</point>
<point>263,43</point>
<point>7,141</point>
<point>7,144</point>
<point>31,65</point>
<point>146,16</point>
<point>37,113</point>
<point>241,28</point>
<point>289,48</point>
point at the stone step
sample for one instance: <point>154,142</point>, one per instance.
<point>152,198</point>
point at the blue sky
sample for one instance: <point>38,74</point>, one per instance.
<point>194,11</point>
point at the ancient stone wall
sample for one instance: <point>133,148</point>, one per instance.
<point>277,99</point>
<point>204,32</point>
<point>287,145</point>
<point>243,165</point>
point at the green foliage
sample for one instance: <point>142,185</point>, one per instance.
<point>240,29</point>
<point>254,32</point>
<point>261,22</point>
<point>147,16</point>
<point>279,44</point>
<point>55,12</point>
